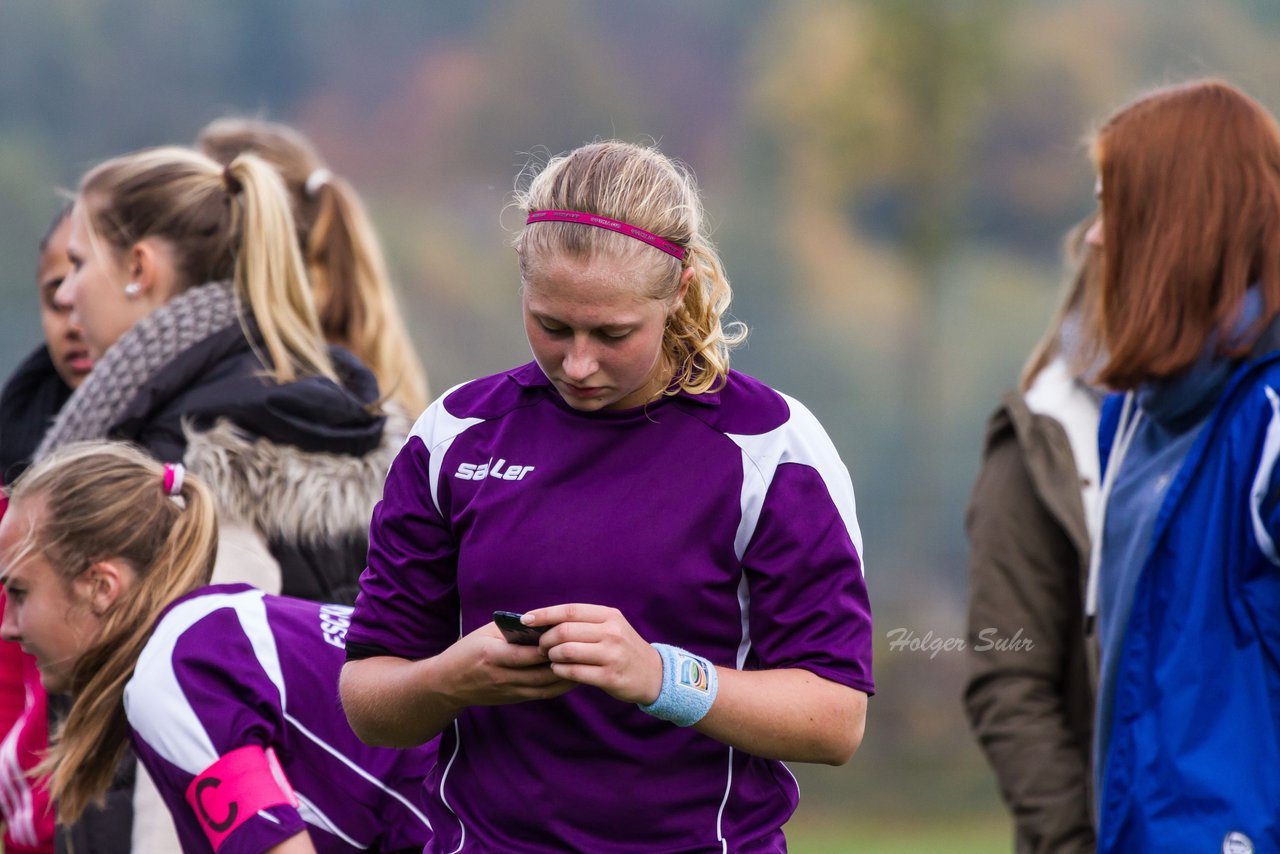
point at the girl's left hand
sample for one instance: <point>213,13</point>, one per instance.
<point>595,645</point>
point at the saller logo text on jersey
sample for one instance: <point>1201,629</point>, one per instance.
<point>500,470</point>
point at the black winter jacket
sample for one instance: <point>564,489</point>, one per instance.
<point>302,461</point>
<point>28,404</point>
<point>296,468</point>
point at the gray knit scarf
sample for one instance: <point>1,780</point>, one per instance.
<point>135,358</point>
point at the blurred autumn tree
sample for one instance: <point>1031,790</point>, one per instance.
<point>873,109</point>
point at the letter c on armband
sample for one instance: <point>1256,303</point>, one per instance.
<point>225,824</point>
<point>235,789</point>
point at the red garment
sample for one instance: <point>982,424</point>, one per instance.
<point>13,699</point>
<point>24,720</point>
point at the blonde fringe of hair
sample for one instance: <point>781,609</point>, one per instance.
<point>102,501</point>
<point>644,188</point>
<point>355,300</point>
<point>240,229</point>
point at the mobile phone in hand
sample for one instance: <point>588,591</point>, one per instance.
<point>515,631</point>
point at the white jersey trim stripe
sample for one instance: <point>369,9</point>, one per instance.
<point>728,787</point>
<point>311,814</point>
<point>457,745</point>
<point>437,429</point>
<point>11,778</point>
<point>28,807</point>
<point>755,485</point>
<point>16,792</point>
<point>744,608</point>
<point>154,701</point>
<point>744,648</point>
<point>362,773</point>
<point>800,440</point>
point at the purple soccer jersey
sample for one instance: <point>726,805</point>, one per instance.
<point>229,667</point>
<point>723,523</point>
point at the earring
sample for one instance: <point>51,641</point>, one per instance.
<point>132,290</point>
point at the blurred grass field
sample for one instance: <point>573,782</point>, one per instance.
<point>867,835</point>
<point>863,835</point>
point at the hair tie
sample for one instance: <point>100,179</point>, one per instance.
<point>661,243</point>
<point>231,182</point>
<point>174,474</point>
<point>317,179</point>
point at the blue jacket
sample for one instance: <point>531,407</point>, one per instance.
<point>1194,754</point>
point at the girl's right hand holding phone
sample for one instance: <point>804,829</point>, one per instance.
<point>395,702</point>
<point>483,669</point>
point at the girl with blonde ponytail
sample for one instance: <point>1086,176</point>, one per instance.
<point>678,535</point>
<point>106,556</point>
<point>193,298</point>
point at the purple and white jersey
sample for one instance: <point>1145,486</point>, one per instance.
<point>230,667</point>
<point>723,523</point>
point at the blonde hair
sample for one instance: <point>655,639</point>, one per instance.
<point>642,187</point>
<point>231,223</point>
<point>103,501</point>
<point>1085,265</point>
<point>356,303</point>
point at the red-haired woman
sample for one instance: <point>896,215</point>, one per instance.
<point>1186,580</point>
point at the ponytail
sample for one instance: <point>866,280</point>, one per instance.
<point>696,341</point>
<point>359,309</point>
<point>105,500</point>
<point>354,299</point>
<point>270,277</point>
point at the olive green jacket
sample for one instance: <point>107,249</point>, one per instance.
<point>1029,695</point>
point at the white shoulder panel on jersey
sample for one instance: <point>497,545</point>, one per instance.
<point>437,429</point>
<point>154,701</point>
<point>800,440</point>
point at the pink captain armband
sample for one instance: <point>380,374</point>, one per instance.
<point>232,790</point>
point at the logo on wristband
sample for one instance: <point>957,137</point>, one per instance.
<point>692,673</point>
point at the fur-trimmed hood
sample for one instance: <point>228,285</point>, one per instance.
<point>296,466</point>
<point>290,495</point>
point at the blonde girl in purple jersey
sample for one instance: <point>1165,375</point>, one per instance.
<point>227,694</point>
<point>684,536</point>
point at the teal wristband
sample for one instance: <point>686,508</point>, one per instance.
<point>689,686</point>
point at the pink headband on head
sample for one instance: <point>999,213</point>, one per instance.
<point>678,252</point>
<point>174,474</point>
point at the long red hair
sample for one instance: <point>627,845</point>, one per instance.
<point>1190,201</point>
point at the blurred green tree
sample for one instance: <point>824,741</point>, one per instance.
<point>875,107</point>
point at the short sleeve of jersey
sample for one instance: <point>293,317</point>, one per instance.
<point>408,602</point>
<point>808,603</point>
<point>209,683</point>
